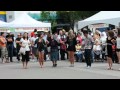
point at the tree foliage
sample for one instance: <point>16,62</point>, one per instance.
<point>63,17</point>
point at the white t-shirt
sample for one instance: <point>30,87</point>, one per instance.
<point>103,40</point>
<point>59,36</point>
<point>14,42</point>
<point>45,38</point>
<point>33,39</point>
<point>97,47</point>
<point>26,44</point>
<point>118,42</point>
<point>87,42</point>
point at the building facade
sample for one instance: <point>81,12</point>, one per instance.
<point>3,16</point>
<point>8,16</point>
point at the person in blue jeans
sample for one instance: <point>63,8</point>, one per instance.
<point>10,46</point>
<point>78,53</point>
<point>88,46</point>
<point>92,56</point>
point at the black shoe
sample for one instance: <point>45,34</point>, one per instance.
<point>64,59</point>
<point>76,61</point>
<point>11,60</point>
<point>55,65</point>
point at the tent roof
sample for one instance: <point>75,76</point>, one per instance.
<point>3,24</point>
<point>108,17</point>
<point>26,21</point>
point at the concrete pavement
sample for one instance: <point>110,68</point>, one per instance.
<point>63,71</point>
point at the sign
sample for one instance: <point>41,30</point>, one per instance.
<point>3,18</point>
<point>30,29</point>
<point>4,29</point>
<point>98,25</point>
<point>2,12</point>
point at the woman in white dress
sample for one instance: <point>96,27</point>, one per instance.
<point>25,43</point>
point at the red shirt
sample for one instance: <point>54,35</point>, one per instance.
<point>32,34</point>
<point>2,39</point>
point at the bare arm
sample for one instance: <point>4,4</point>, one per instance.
<point>17,42</point>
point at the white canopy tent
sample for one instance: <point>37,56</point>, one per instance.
<point>108,17</point>
<point>3,24</point>
<point>25,21</point>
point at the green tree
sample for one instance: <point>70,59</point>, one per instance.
<point>73,16</point>
<point>63,17</point>
<point>45,15</point>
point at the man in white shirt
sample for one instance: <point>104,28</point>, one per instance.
<point>34,46</point>
<point>88,46</point>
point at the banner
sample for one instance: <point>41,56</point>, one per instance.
<point>2,12</point>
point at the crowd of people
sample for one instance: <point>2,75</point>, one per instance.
<point>83,46</point>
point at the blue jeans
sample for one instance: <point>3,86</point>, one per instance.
<point>88,57</point>
<point>92,56</point>
<point>10,51</point>
<point>54,56</point>
<point>79,56</point>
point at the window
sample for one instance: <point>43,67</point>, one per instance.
<point>10,17</point>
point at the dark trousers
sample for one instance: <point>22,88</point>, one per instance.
<point>97,56</point>
<point>10,48</point>
<point>45,53</point>
<point>58,54</point>
<point>88,57</point>
<point>62,53</point>
<point>114,57</point>
<point>79,57</point>
<point>103,56</point>
<point>18,56</point>
<point>67,54</point>
<point>0,52</point>
<point>25,58</point>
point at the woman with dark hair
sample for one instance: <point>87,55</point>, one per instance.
<point>25,43</point>
<point>110,40</point>
<point>41,48</point>
<point>54,51</point>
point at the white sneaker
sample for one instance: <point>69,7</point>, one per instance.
<point>72,65</point>
<point>88,67</point>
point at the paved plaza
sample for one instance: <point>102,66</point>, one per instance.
<point>63,71</point>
